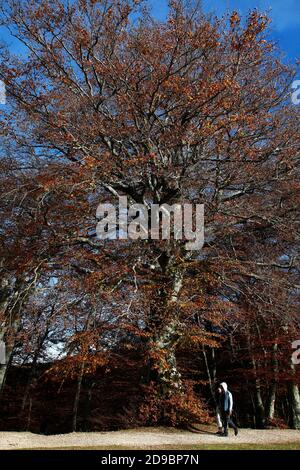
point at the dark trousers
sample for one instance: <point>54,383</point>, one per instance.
<point>227,421</point>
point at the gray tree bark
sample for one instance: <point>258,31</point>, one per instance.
<point>259,404</point>
<point>294,402</point>
<point>270,405</point>
<point>11,301</point>
<point>14,293</point>
<point>163,345</point>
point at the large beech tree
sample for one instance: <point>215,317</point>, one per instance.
<point>111,102</point>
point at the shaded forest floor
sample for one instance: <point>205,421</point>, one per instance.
<point>155,438</point>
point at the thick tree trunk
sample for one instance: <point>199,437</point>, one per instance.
<point>294,402</point>
<point>13,294</point>
<point>163,344</point>
<point>9,349</point>
<point>4,367</point>
<point>270,406</point>
<point>12,330</point>
<point>163,350</point>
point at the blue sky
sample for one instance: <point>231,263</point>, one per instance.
<point>285,15</point>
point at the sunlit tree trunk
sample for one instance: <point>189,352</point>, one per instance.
<point>4,300</point>
<point>163,344</point>
<point>294,402</point>
<point>13,296</point>
<point>4,367</point>
<point>270,406</point>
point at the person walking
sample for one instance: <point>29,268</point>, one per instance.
<point>224,411</point>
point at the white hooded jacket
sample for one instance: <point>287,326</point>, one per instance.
<point>228,400</point>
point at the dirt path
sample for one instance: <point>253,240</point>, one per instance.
<point>144,438</point>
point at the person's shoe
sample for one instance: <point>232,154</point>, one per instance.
<point>224,434</point>
<point>236,431</point>
<point>219,433</point>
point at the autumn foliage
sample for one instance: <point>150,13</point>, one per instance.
<point>104,101</point>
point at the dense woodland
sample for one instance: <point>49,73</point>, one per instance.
<point>103,101</point>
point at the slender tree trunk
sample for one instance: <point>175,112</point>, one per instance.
<point>294,402</point>
<point>211,374</point>
<point>29,415</point>
<point>286,408</point>
<point>213,366</point>
<point>77,397</point>
<point>4,301</point>
<point>88,402</point>
<point>233,353</point>
<point>79,380</point>
<point>253,416</point>
<point>259,404</point>
<point>32,372</point>
<point>270,406</point>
